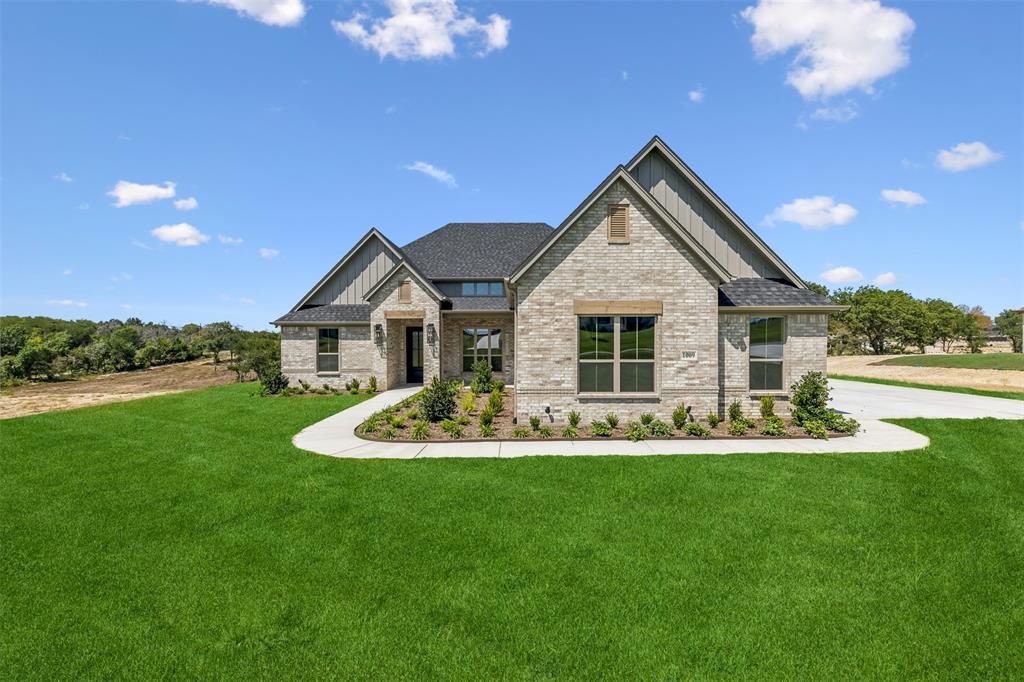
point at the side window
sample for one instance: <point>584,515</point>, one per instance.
<point>328,353</point>
<point>767,339</point>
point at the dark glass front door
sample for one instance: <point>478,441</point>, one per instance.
<point>414,355</point>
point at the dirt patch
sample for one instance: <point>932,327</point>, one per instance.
<point>981,379</point>
<point>112,388</point>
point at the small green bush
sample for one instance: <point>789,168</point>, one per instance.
<point>397,421</point>
<point>574,418</point>
<point>461,420</point>
<point>486,416</point>
<point>495,402</point>
<point>371,385</point>
<point>570,432</point>
<point>600,427</point>
<point>535,422</point>
<point>545,432</point>
<point>483,377</point>
<point>420,430</point>
<point>355,385</point>
<point>499,386</point>
<point>646,418</point>
<point>815,429</point>
<point>681,415</point>
<point>636,431</point>
<point>767,406</point>
<point>735,411</point>
<point>388,433</point>
<point>659,429</point>
<point>738,427</point>
<point>521,432</point>
<point>453,428</point>
<point>773,426</point>
<point>414,413</point>
<point>438,400</point>
<point>468,403</point>
<point>304,384</point>
<point>487,431</point>
<point>810,398</point>
<point>372,424</point>
<point>612,419</point>
<point>272,381</point>
<point>713,419</point>
<point>834,421</point>
<point>695,429</point>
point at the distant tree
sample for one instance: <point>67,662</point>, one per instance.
<point>946,322</point>
<point>13,338</point>
<point>819,289</point>
<point>1009,324</point>
<point>883,318</point>
<point>122,344</point>
<point>133,321</point>
<point>973,325</point>
<point>218,337</point>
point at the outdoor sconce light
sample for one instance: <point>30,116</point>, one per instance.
<point>378,334</point>
<point>431,333</point>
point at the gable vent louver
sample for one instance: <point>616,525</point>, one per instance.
<point>618,223</point>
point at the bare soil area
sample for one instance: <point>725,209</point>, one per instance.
<point>112,388</point>
<point>982,379</point>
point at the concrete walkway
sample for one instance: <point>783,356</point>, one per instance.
<point>868,403</point>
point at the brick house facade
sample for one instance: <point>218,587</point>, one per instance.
<point>650,294</point>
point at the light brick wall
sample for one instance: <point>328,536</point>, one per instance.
<point>582,264</point>
<point>298,355</point>
<point>388,360</point>
<point>452,344</point>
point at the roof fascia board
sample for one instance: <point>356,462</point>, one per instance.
<point>709,194</point>
<point>307,323</point>
<point>373,232</point>
<point>783,308</point>
<point>620,173</point>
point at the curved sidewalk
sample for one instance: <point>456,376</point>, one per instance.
<point>335,435</point>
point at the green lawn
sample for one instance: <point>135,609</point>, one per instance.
<point>962,361</point>
<point>183,536</point>
<point>1010,395</point>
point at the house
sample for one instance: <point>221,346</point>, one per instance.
<point>650,293</point>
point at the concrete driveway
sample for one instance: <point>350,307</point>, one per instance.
<point>864,401</point>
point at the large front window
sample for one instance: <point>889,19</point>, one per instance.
<point>482,289</point>
<point>616,354</point>
<point>767,336</point>
<point>327,350</point>
<point>481,344</point>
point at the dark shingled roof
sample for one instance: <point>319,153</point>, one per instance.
<point>475,249</point>
<point>352,312</point>
<point>754,291</point>
<point>479,303</point>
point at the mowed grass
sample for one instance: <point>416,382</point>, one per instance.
<point>184,536</point>
<point>1010,395</point>
<point>1011,361</point>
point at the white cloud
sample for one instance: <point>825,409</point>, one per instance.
<point>67,272</point>
<point>225,239</point>
<point>430,170</point>
<point>696,96</point>
<point>84,206</point>
<point>966,155</point>
<point>625,75</point>
<point>840,114</point>
<point>129,193</point>
<point>903,196</point>
<point>246,301</point>
<point>67,302</point>
<point>815,213</point>
<point>121,137</point>
<point>423,29</point>
<point>843,274</point>
<point>141,245</point>
<point>125,306</point>
<point>268,253</point>
<point>841,45</point>
<point>181,234</point>
<point>186,204</point>
<point>885,279</point>
<point>269,12</point>
<point>123,277</point>
<point>63,177</point>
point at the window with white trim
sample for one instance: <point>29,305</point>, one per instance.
<point>481,344</point>
<point>767,342</point>
<point>616,354</point>
<point>328,350</point>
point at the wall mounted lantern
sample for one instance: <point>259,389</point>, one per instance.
<point>431,333</point>
<point>378,334</point>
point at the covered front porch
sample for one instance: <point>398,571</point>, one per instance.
<point>467,337</point>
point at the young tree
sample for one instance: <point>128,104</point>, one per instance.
<point>1009,323</point>
<point>973,324</point>
<point>218,337</point>
<point>945,320</point>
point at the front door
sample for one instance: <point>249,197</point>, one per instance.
<point>414,355</point>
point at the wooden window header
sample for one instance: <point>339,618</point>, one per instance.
<point>595,307</point>
<point>618,223</point>
<point>404,315</point>
<point>405,292</point>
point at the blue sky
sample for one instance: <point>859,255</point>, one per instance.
<point>296,126</point>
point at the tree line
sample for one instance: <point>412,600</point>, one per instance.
<point>891,322</point>
<point>47,348</point>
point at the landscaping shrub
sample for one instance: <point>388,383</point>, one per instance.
<point>681,415</point>
<point>438,400</point>
<point>486,416</point>
<point>397,421</point>
<point>534,423</point>
<point>545,432</point>
<point>468,401</point>
<point>574,418</point>
<point>767,406</point>
<point>388,433</point>
<point>612,419</point>
<point>372,423</point>
<point>272,381</point>
<point>452,428</point>
<point>499,386</point>
<point>483,377</point>
<point>837,422</point>
<point>738,427</point>
<point>815,429</point>
<point>736,411</point>
<point>695,429</point>
<point>420,430</point>
<point>810,398</point>
<point>600,427</point>
<point>461,420</point>
<point>521,432</point>
<point>713,419</point>
<point>570,432</point>
<point>659,428</point>
<point>636,431</point>
<point>646,418</point>
<point>414,413</point>
<point>495,402</point>
<point>487,431</point>
<point>773,426</point>
<point>304,384</point>
<point>371,385</point>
